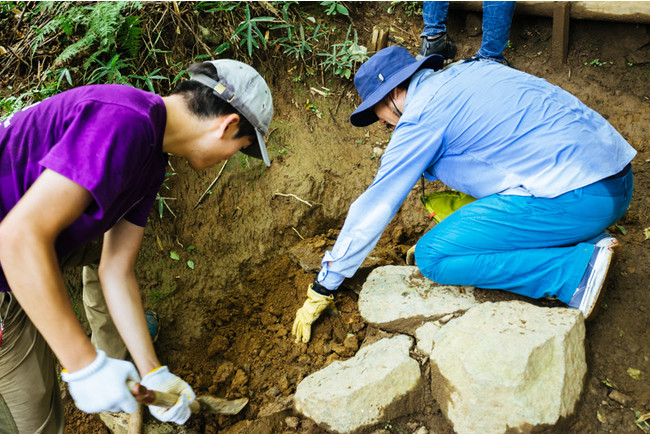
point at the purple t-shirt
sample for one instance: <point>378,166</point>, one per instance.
<point>106,138</point>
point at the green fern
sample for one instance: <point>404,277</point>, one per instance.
<point>104,25</point>
<point>130,35</point>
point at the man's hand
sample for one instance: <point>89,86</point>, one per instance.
<point>101,386</point>
<point>162,380</point>
<point>309,312</point>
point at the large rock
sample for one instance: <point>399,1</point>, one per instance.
<point>381,382</point>
<point>399,299</point>
<point>508,365</point>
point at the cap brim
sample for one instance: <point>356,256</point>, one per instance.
<point>364,114</point>
<point>258,150</point>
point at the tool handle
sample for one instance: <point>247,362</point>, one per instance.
<point>157,398</point>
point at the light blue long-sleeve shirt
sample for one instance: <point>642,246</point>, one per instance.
<point>481,128</point>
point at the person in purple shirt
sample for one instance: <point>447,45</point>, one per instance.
<point>84,164</point>
<point>549,175</point>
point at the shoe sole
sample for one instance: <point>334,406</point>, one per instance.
<point>616,250</point>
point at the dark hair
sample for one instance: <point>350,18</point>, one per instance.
<point>405,84</point>
<point>205,104</point>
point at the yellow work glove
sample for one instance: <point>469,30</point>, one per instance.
<point>441,204</point>
<point>309,312</point>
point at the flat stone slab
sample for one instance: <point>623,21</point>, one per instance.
<point>508,366</point>
<point>381,382</point>
<point>400,299</point>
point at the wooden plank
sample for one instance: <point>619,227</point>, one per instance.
<point>623,11</point>
<point>560,42</point>
<point>379,38</point>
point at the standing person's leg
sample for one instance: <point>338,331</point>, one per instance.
<point>434,15</point>
<point>30,401</point>
<point>434,35</point>
<point>104,333</point>
<point>530,246</point>
<point>497,18</point>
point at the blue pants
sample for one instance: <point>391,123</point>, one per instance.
<point>497,17</point>
<point>530,246</point>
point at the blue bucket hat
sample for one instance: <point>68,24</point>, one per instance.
<point>382,73</point>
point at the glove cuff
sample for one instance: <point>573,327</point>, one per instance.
<point>161,371</point>
<point>320,289</point>
<point>87,371</point>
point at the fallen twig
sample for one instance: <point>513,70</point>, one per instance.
<point>196,36</point>
<point>211,185</point>
<point>294,196</point>
<point>296,230</point>
<point>333,118</point>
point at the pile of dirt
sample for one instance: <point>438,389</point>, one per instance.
<point>227,318</point>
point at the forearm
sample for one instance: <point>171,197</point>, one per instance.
<point>124,302</point>
<point>32,270</point>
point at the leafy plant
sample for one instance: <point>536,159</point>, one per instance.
<point>162,201</point>
<point>334,7</point>
<point>249,32</point>
<point>104,25</point>
<point>147,79</point>
<point>110,72</point>
<point>409,8</point>
<point>299,46</point>
<point>345,56</point>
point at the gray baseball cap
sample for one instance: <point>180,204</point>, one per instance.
<point>243,87</point>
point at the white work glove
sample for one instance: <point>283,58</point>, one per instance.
<point>162,380</point>
<point>101,386</point>
<point>313,307</point>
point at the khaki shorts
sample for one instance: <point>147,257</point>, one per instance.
<point>30,400</point>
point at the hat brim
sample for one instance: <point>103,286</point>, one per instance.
<point>364,114</point>
<point>258,150</point>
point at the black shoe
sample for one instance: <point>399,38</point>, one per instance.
<point>438,45</point>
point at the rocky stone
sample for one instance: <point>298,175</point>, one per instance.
<point>424,336</point>
<point>292,422</point>
<point>379,383</point>
<point>117,423</point>
<point>619,397</point>
<point>400,299</point>
<point>508,366</point>
<point>218,345</point>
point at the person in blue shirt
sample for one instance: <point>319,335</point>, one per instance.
<point>549,175</point>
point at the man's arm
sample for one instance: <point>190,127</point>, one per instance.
<point>411,150</point>
<point>122,293</point>
<point>30,264</point>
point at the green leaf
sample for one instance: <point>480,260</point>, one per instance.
<point>174,255</point>
<point>221,48</point>
<point>634,373</point>
<point>191,248</point>
<point>190,264</point>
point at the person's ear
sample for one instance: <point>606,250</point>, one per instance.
<point>227,125</point>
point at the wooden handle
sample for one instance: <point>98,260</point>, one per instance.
<point>156,398</point>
